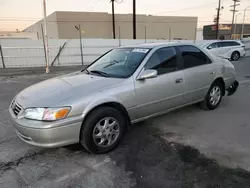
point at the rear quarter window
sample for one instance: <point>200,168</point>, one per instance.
<point>229,43</point>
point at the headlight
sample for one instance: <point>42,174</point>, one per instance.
<point>46,114</point>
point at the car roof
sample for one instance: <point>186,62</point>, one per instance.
<point>155,45</point>
<point>213,41</point>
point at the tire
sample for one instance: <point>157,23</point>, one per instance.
<point>98,127</point>
<point>208,103</point>
<point>235,56</point>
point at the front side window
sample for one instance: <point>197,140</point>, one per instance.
<point>213,45</point>
<point>118,63</point>
<point>193,56</point>
<point>163,60</point>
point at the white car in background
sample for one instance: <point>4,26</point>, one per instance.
<point>229,49</point>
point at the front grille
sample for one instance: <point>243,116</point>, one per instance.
<point>16,108</point>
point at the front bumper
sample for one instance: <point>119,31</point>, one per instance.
<point>233,88</point>
<point>47,137</point>
<point>50,138</point>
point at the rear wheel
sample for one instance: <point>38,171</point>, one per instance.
<point>213,97</point>
<point>102,130</point>
<point>235,56</point>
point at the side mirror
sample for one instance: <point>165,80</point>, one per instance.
<point>146,74</point>
<point>209,47</point>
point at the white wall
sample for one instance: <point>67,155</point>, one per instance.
<point>30,53</point>
<point>199,34</point>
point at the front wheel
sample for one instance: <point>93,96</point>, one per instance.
<point>102,130</point>
<point>213,97</point>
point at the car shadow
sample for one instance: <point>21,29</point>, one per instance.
<point>156,162</point>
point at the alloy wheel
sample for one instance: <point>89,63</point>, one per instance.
<point>215,95</point>
<point>106,132</point>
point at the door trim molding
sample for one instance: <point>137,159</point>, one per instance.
<point>165,111</point>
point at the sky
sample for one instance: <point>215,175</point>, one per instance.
<point>19,14</point>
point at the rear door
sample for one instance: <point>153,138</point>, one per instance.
<point>228,47</point>
<point>199,73</point>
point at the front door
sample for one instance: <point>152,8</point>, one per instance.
<point>163,92</point>
<point>214,48</point>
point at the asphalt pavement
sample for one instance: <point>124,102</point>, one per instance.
<point>189,147</point>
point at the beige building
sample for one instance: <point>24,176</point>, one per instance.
<point>61,25</point>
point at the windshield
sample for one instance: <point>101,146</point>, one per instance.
<point>118,63</point>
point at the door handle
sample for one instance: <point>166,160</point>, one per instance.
<point>179,80</point>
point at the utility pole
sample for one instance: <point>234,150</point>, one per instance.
<point>235,24</point>
<point>113,17</point>
<point>218,20</point>
<point>243,24</point>
<point>46,37</point>
<point>78,28</point>
<point>134,19</point>
<point>234,10</point>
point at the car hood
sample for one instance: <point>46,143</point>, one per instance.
<point>51,92</point>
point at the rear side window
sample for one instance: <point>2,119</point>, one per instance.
<point>163,60</point>
<point>229,43</point>
<point>193,56</point>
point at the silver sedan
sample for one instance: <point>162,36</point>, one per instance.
<point>126,85</point>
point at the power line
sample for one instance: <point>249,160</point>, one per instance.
<point>60,21</point>
<point>119,1</point>
<point>20,18</point>
<point>70,21</point>
<point>189,8</point>
<point>92,6</point>
<point>229,21</point>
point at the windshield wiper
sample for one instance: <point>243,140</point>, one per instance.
<point>85,70</point>
<point>100,73</point>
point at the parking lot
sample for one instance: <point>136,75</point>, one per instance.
<point>189,147</point>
